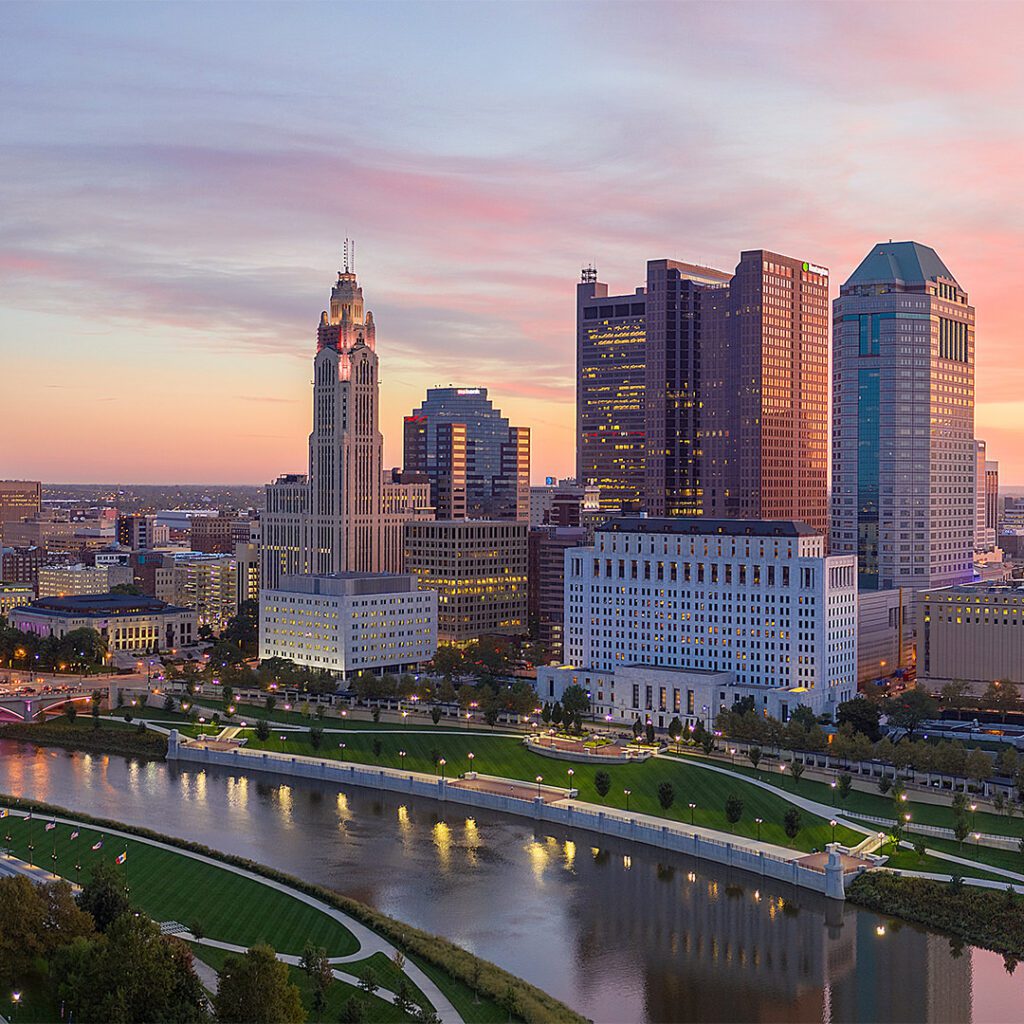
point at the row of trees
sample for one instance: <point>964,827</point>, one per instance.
<point>81,650</point>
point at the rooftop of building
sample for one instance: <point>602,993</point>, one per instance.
<point>341,584</point>
<point>985,588</point>
<point>702,525</point>
<point>906,262</point>
<point>102,605</point>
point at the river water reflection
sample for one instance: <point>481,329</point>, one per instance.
<point>620,933</point>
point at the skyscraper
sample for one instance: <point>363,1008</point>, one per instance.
<point>677,294</point>
<point>343,517</point>
<point>610,381</point>
<point>903,451</point>
<point>764,391</point>
<point>478,465</point>
<point>19,499</point>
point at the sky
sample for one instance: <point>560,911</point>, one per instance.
<point>177,181</point>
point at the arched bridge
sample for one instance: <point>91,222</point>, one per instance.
<point>33,707</point>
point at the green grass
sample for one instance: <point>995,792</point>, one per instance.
<point>875,804</point>
<point>508,758</point>
<point>472,1008</point>
<point>170,886</point>
<point>377,1010</point>
<point>908,860</point>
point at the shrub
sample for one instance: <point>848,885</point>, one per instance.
<point>666,795</point>
<point>602,783</point>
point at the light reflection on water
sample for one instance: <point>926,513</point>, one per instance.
<point>623,934</point>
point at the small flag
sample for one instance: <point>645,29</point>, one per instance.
<point>28,817</point>
<point>50,825</point>
<point>97,844</point>
<point>74,835</point>
<point>122,858</point>
<point>3,812</point>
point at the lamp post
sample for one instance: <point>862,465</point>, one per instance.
<point>470,757</point>
<point>441,765</point>
<point>833,823</point>
<point>401,754</point>
<point>758,822</point>
<point>693,807</point>
<point>832,786</point>
<point>571,774</point>
<point>540,779</point>
<point>628,793</point>
<point>732,754</point>
<point>405,716</point>
<point>974,816</point>
<point>341,747</point>
<point>15,1002</point>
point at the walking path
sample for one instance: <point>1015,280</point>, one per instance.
<point>369,941</point>
<point>824,810</point>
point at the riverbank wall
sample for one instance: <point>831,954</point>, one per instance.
<point>828,882</point>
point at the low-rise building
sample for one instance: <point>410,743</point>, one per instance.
<point>478,568</point>
<point>69,580</point>
<point>347,623</point>
<point>137,625</point>
<point>972,634</point>
<point>14,595</point>
<point>206,583</point>
<point>685,616</point>
<point>21,565</point>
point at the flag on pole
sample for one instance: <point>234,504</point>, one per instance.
<point>50,825</point>
<point>122,858</point>
<point>97,844</point>
<point>74,835</point>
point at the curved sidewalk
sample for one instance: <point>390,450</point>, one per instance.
<point>369,941</point>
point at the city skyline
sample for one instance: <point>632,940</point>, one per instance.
<point>185,254</point>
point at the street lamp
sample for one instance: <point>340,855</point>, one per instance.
<point>628,793</point>
<point>471,755</point>
<point>693,807</point>
<point>405,715</point>
<point>571,774</point>
<point>732,752</point>
<point>401,754</point>
<point>974,816</point>
<point>341,747</point>
<point>540,779</point>
<point>758,822</point>
<point>832,786</point>
<point>442,763</point>
<point>833,823</point>
<point>16,1001</point>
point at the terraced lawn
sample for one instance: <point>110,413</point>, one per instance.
<point>508,758</point>
<point>172,886</point>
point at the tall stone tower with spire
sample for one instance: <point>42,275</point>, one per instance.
<point>343,530</point>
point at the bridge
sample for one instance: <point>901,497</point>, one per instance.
<point>33,707</point>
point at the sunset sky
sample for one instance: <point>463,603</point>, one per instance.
<point>176,182</point>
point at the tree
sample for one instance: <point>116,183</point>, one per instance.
<point>978,765</point>
<point>666,795</point>
<point>862,715</point>
<point>675,729</point>
<point>556,713</point>
<point>270,702</point>
<point>435,714</point>
<point>909,709</point>
<point>733,810</point>
<point>128,589</point>
<point>954,694</point>
<point>243,628</point>
<point>375,714</point>
<point>754,756</point>
<point>321,976</point>
<point>70,711</point>
<point>707,743</point>
<point>21,927</point>
<point>650,732</point>
<point>884,784</point>
<point>104,895</point>
<point>844,785</point>
<point>791,823</point>
<point>1008,762</point>
<point>130,973</point>
<point>797,769</point>
<point>602,783</point>
<point>263,729</point>
<point>575,699</point>
<point>352,1011</point>
<point>377,747</point>
<point>961,830</point>
<point>368,980</point>
<point>316,737</point>
<point>254,989</point>
<point>919,848</point>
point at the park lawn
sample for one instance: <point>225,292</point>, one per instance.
<point>865,803</point>
<point>507,757</point>
<point>387,974</point>
<point>1009,860</point>
<point>472,1008</point>
<point>907,860</point>
<point>377,1010</point>
<point>171,886</point>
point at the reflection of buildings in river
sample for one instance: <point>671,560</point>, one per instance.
<point>724,946</point>
<point>904,975</point>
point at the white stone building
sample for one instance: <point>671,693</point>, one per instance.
<point>684,616</point>
<point>348,623</point>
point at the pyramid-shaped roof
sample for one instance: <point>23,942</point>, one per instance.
<point>908,262</point>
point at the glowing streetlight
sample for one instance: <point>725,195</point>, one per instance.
<point>628,793</point>
<point>341,747</point>
<point>571,774</point>
<point>540,779</point>
<point>832,786</point>
<point>758,821</point>
<point>442,763</point>
<point>693,807</point>
<point>833,823</point>
<point>401,754</point>
<point>974,816</point>
<point>471,755</point>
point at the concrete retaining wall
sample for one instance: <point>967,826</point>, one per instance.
<point>667,837</point>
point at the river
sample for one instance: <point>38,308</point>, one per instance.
<point>620,933</point>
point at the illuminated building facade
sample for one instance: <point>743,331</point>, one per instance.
<point>478,465</point>
<point>764,389</point>
<point>67,580</point>
<point>610,382</point>
<point>546,588</point>
<point>479,570</point>
<point>14,595</point>
<point>282,525</point>
<point>675,300</point>
<point>19,499</point>
<point>904,459</point>
<point>347,623</point>
<point>682,616</point>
